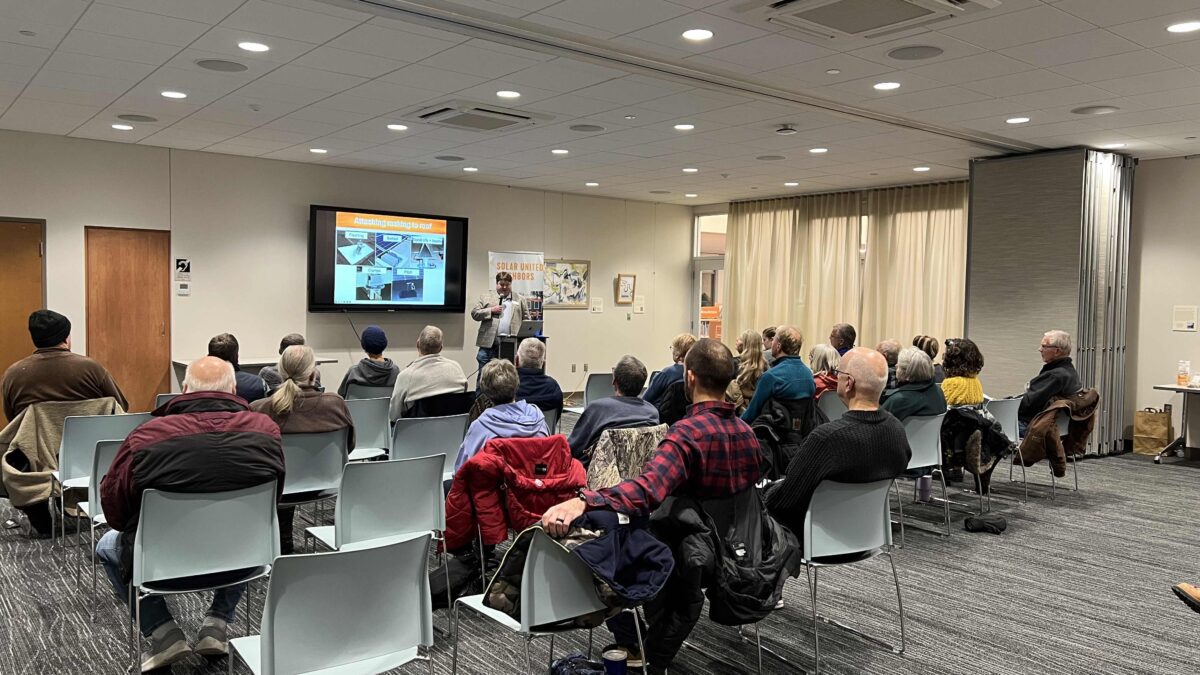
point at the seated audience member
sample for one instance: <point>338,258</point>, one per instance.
<point>537,387</point>
<point>842,338</point>
<point>431,374</point>
<point>205,440</point>
<point>864,445</point>
<point>963,362</point>
<point>249,386</point>
<point>507,418</point>
<point>623,411</point>
<point>299,408</point>
<point>788,379</point>
<point>1058,376</point>
<point>376,370</point>
<point>751,366</point>
<point>672,373</point>
<point>768,340</point>
<point>270,373</point>
<point>824,360</point>
<point>708,454</point>
<point>916,394</point>
<point>53,372</point>
<point>891,351</point>
<point>929,345</point>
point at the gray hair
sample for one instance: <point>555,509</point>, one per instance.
<point>1060,339</point>
<point>429,341</point>
<point>913,365</point>
<point>824,358</point>
<point>194,378</point>
<point>531,353</point>
<point>297,364</point>
<point>499,381</point>
<point>629,376</point>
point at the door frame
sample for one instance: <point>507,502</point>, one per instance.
<point>86,277</point>
<point>708,263</point>
<point>41,223</point>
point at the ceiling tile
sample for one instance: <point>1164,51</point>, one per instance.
<point>22,55</point>
<point>726,33</point>
<point>425,77</point>
<point>1017,28</point>
<point>473,60</point>
<point>616,16</point>
<point>952,48</point>
<point>1176,78</point>
<point>46,117</point>
<point>1070,48</point>
<point>1186,53</point>
<point>390,44</point>
<point>625,90</point>
<point>15,74</point>
<point>288,22</point>
<point>568,28</point>
<point>1020,83</point>
<point>224,40</point>
<point>128,23</point>
<point>1153,32</point>
<point>1112,12</point>
<point>350,63</point>
<point>564,75</point>
<point>813,73</point>
<point>695,102</point>
<point>971,68</point>
<point>1140,62</point>
<point>208,11</point>
<point>1063,96</point>
<point>930,98</point>
<point>769,52</point>
<point>311,78</point>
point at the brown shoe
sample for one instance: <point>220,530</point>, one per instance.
<point>1189,594</point>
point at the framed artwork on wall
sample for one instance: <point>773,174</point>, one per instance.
<point>568,284</point>
<point>626,287</point>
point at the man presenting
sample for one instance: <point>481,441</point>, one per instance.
<point>498,313</point>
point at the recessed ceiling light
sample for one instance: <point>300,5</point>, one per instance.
<point>915,52</point>
<point>1095,110</point>
<point>697,34</point>
<point>690,170</point>
<point>1017,120</point>
<point>505,93</point>
<point>591,185</point>
<point>254,46</point>
<point>1185,27</point>
<point>129,117</point>
<point>660,192</point>
<point>791,183</point>
<point>470,169</point>
<point>318,151</point>
<point>631,117</point>
<point>690,195</point>
<point>559,151</point>
<point>123,127</point>
<point>887,86</point>
<point>786,130</point>
<point>833,71</point>
<point>920,169</point>
<point>684,127</point>
<point>397,127</point>
<point>770,158</point>
<point>27,33</point>
<point>1113,146</point>
<point>222,65</point>
<point>450,158</point>
<point>818,151</point>
<point>586,128</point>
<point>174,94</point>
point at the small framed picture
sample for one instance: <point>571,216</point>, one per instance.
<point>626,288</point>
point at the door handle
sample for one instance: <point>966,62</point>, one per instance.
<point>162,329</point>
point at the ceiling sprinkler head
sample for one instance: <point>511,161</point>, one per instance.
<point>786,130</point>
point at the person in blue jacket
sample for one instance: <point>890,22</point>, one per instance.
<point>788,379</point>
<point>673,373</point>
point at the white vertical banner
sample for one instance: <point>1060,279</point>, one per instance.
<point>527,269</point>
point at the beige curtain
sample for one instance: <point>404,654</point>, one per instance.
<point>792,261</point>
<point>914,281</point>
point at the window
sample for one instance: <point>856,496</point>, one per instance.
<point>710,234</point>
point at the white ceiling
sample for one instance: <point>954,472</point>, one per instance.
<point>335,77</point>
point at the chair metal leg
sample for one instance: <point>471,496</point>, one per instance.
<point>758,643</point>
<point>899,602</point>
<point>589,651</point>
<point>550,659</point>
<point>454,638</point>
<point>900,507</point>
<point>637,626</point>
<point>1053,482</point>
<point>130,641</point>
<point>137,620</point>
<point>528,656</point>
<point>945,502</point>
<point>446,569</point>
<point>812,589</point>
<point>1075,470</point>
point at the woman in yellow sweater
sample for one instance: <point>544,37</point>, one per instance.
<point>962,362</point>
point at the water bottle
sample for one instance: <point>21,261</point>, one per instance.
<point>1184,374</point>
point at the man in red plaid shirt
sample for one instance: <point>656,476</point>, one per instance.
<point>710,453</point>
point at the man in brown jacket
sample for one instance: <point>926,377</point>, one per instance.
<point>53,372</point>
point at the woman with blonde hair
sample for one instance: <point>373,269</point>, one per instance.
<point>672,373</point>
<point>751,365</point>
<point>824,361</point>
<point>298,407</point>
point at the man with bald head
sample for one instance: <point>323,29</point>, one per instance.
<point>865,445</point>
<point>431,374</point>
<point>204,440</point>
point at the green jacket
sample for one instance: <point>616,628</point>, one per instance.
<point>915,398</point>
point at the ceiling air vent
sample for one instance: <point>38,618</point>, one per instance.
<point>841,19</point>
<point>475,116</point>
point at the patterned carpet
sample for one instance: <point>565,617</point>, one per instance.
<point>1076,585</point>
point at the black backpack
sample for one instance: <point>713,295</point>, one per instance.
<point>672,405</point>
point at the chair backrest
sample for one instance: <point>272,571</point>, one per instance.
<point>314,461</point>
<point>357,391</point>
<point>442,405</point>
<point>160,399</point>
<point>555,585</point>
<point>423,436</point>
<point>1064,421</point>
<point>102,459</point>
<point>847,518</point>
<point>371,427</point>
<point>80,435</point>
<point>384,499</point>
<point>379,606</point>
<point>189,534</point>
<point>552,420</point>
<point>831,406</point>
<point>1005,411</point>
<point>924,434</point>
<point>599,385</point>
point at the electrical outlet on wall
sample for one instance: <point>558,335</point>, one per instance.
<point>572,367</point>
<point>585,367</point>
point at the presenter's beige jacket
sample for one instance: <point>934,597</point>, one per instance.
<point>489,327</point>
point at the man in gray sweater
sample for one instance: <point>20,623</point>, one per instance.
<point>430,375</point>
<point>865,445</point>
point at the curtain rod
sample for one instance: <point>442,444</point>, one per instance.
<point>852,191</point>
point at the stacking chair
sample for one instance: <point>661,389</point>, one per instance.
<point>376,617</point>
<point>599,385</point>
<point>424,436</point>
<point>555,586</point>
<point>356,391</point>
<point>845,524</point>
<point>106,452</point>
<point>443,405</point>
<point>79,438</point>
<point>372,433</point>
<point>1063,421</point>
<point>314,467</point>
<point>1005,411</point>
<point>181,536</point>
<point>160,399</point>
<point>925,440</point>
<point>551,420</point>
<point>832,406</point>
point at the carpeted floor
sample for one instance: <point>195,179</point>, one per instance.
<point>1076,585</point>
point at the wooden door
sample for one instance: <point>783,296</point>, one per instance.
<point>22,288</point>
<point>129,309</point>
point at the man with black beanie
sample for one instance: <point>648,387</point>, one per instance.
<point>53,372</point>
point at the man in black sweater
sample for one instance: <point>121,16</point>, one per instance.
<point>1058,377</point>
<point>623,411</point>
<point>865,445</point>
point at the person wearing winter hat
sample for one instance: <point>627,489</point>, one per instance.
<point>374,371</point>
<point>53,372</point>
<point>431,374</point>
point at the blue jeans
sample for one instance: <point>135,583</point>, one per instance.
<point>154,608</point>
<point>485,354</point>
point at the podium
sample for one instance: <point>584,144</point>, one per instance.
<point>506,347</point>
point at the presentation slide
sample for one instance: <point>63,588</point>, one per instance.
<point>389,260</point>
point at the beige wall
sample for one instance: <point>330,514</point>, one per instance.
<point>244,224</point>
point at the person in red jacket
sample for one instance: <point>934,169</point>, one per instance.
<point>205,440</point>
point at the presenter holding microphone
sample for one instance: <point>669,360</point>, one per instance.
<point>498,313</point>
